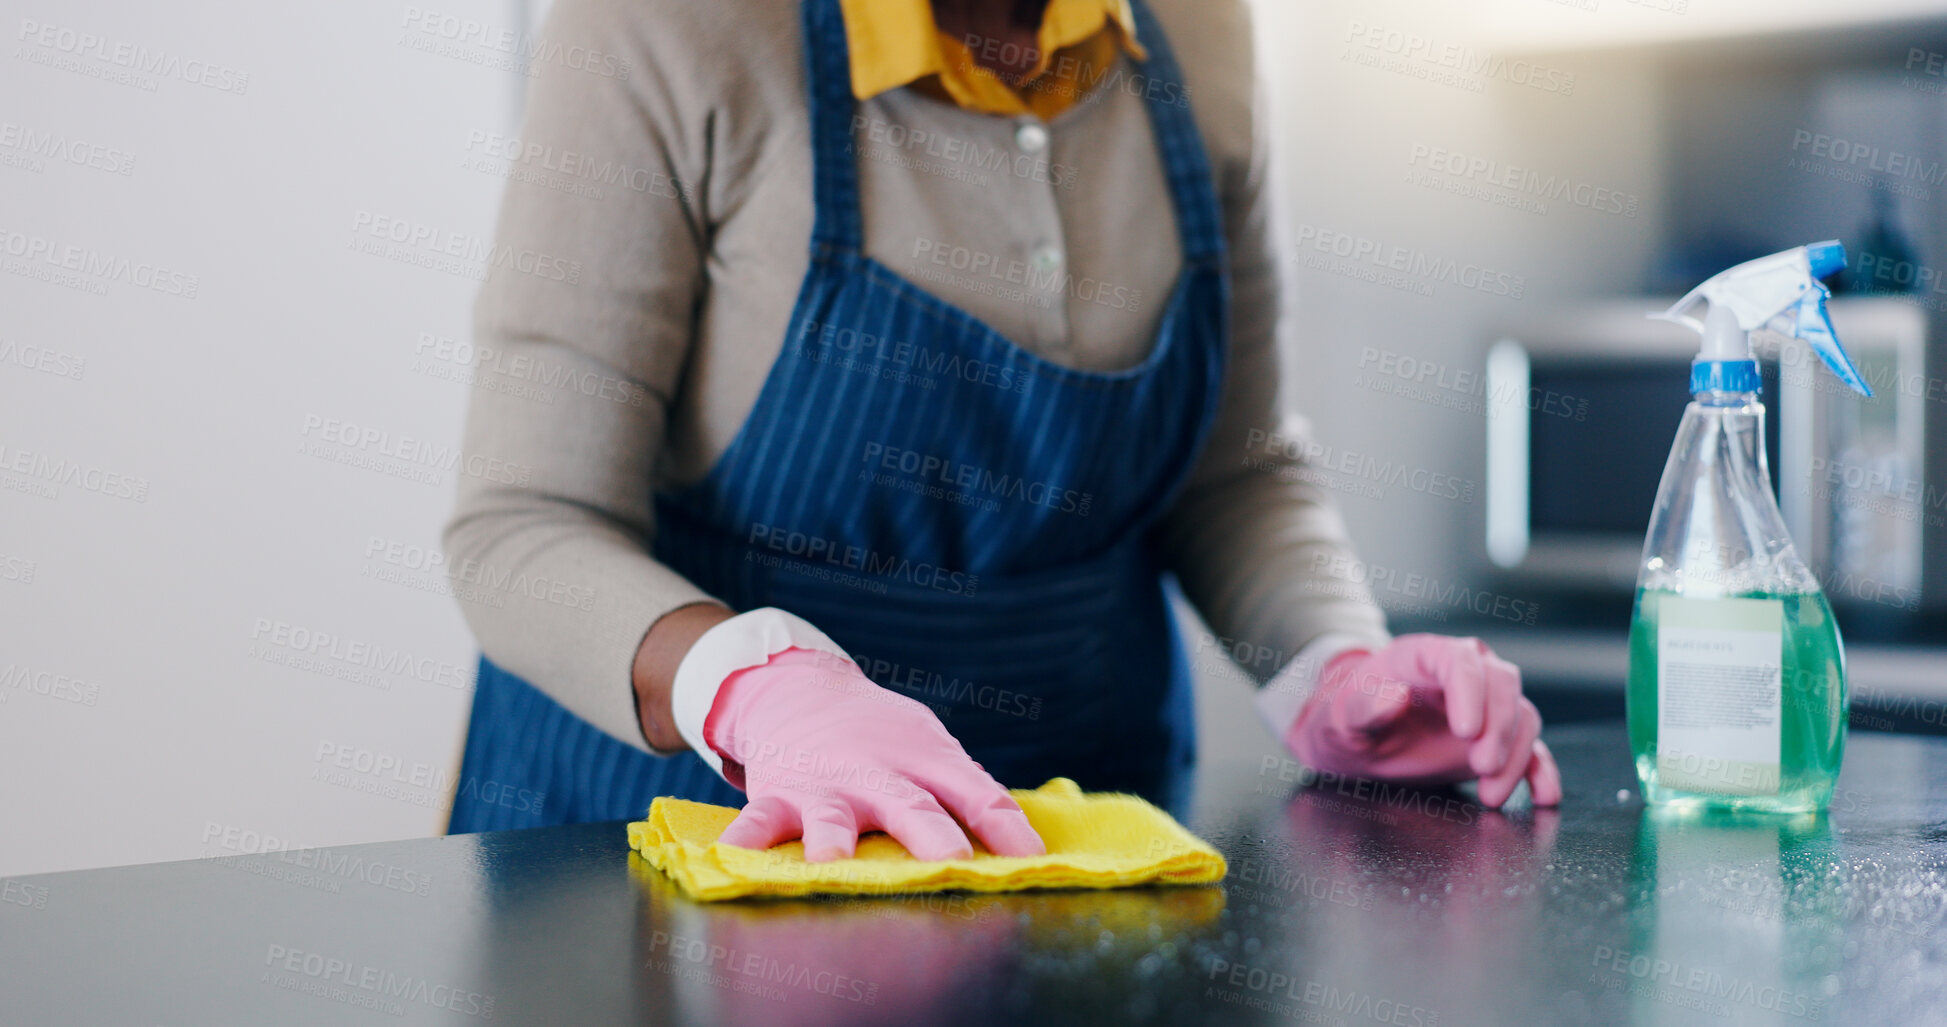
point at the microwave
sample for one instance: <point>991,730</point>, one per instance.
<point>1583,405</point>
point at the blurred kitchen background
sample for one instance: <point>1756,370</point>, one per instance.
<point>1481,200</point>
<point>1609,157</point>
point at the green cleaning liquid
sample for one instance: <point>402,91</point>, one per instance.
<point>1710,725</point>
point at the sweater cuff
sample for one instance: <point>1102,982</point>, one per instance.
<point>740,643</point>
<point>1284,696</point>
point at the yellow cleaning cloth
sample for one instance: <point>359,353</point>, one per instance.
<point>1094,841</point>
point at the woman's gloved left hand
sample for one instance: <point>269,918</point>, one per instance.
<point>1427,709</point>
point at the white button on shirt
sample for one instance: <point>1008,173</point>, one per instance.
<point>1031,137</point>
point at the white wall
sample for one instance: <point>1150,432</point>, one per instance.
<point>147,712</point>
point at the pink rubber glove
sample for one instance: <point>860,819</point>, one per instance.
<point>1427,709</point>
<point>824,754</point>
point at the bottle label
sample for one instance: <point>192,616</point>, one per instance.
<point>1718,694</point>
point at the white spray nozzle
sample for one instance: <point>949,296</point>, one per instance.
<point>1781,292</point>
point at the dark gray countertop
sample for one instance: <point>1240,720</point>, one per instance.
<point>1345,904</point>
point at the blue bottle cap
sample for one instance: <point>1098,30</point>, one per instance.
<point>1725,376</point>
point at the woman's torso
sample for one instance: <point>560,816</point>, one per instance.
<point>1069,249</point>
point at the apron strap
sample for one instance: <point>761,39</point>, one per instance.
<point>835,165</point>
<point>1199,219</point>
<point>837,221</point>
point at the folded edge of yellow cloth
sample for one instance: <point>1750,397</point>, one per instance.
<point>1098,840</point>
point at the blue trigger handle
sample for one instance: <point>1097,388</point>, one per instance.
<point>1815,327</point>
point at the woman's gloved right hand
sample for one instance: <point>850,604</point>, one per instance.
<point>825,754</point>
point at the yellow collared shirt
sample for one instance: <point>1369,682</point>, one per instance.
<point>896,43</point>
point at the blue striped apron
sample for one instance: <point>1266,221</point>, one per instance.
<point>968,520</point>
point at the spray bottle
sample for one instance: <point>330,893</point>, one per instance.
<point>1737,681</point>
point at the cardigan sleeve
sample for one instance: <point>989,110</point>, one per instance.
<point>1257,545</point>
<point>581,331</point>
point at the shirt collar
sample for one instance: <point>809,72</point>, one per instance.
<point>895,43</point>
